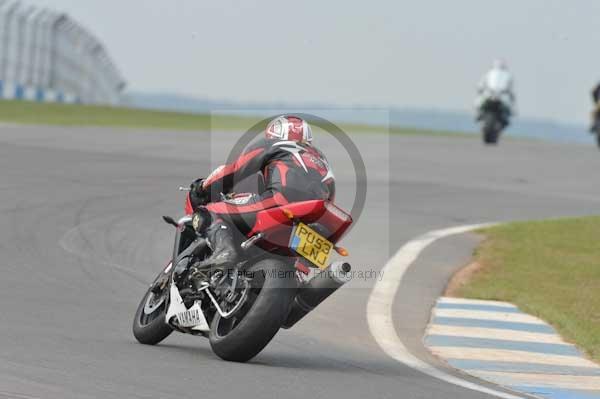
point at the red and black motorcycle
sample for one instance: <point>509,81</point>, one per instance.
<point>284,273</point>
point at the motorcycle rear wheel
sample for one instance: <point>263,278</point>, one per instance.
<point>242,336</point>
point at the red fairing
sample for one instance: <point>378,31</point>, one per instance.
<point>336,220</point>
<point>189,209</point>
<point>333,218</point>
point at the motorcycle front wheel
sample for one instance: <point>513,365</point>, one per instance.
<point>149,325</point>
<point>243,335</point>
<point>490,129</point>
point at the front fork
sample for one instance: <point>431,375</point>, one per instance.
<point>183,229</point>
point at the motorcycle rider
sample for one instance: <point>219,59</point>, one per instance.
<point>293,170</point>
<point>498,80</point>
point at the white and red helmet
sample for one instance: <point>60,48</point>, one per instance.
<point>289,128</point>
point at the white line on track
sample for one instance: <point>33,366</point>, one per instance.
<point>379,309</point>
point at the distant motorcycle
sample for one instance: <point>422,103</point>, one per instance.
<point>284,274</point>
<point>494,116</point>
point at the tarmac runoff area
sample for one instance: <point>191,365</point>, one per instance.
<point>497,342</point>
<point>81,238</point>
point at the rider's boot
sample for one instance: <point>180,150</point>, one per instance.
<point>220,239</point>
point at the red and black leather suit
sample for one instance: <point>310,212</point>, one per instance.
<point>292,172</point>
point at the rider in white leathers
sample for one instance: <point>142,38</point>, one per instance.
<point>497,82</point>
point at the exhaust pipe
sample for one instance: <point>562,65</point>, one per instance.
<point>316,290</point>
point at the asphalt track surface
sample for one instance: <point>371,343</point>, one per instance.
<point>81,237</point>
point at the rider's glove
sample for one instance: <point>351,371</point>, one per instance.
<point>198,195</point>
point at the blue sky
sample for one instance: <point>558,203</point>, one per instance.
<point>399,53</point>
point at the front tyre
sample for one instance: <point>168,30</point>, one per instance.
<point>149,326</point>
<point>491,131</point>
<point>490,137</point>
<point>243,335</point>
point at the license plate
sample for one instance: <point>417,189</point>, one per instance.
<point>311,245</point>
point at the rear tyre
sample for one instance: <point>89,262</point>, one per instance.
<point>246,333</point>
<point>149,326</point>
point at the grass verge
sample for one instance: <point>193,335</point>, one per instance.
<point>550,269</point>
<point>87,115</point>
